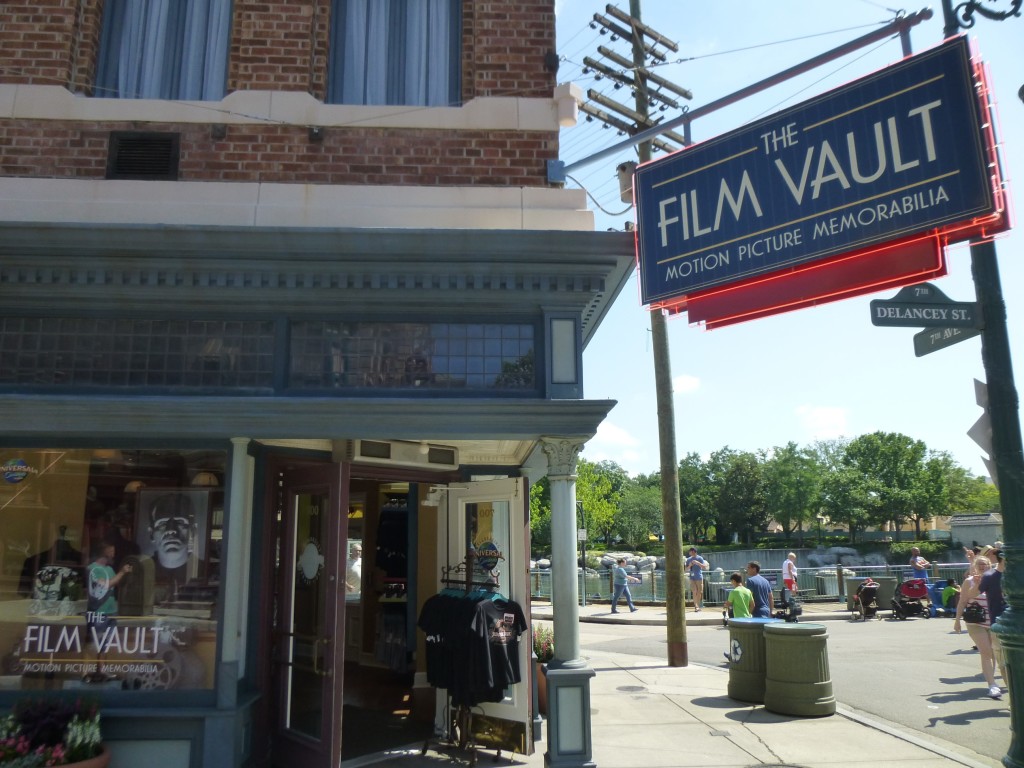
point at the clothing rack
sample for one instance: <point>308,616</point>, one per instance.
<point>460,721</point>
<point>461,574</point>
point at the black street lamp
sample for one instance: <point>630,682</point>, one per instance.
<point>1007,450</point>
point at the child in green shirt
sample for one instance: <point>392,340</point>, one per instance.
<point>740,599</point>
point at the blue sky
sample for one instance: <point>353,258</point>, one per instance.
<point>818,373</point>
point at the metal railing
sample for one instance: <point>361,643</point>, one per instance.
<point>821,584</point>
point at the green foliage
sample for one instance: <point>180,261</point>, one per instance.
<point>50,731</point>
<point>740,501</point>
<point>697,495</point>
<point>640,515</point>
<point>899,551</point>
<point>792,486</point>
<point>540,515</point>
<point>595,489</point>
<point>861,483</point>
<point>543,643</point>
<point>893,468</point>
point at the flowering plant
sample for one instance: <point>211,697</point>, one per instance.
<point>543,643</point>
<point>45,732</point>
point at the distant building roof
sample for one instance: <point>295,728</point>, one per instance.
<point>983,519</point>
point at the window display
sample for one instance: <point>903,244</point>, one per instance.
<point>109,567</point>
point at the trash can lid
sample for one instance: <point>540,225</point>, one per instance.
<point>796,629</point>
<point>751,621</point>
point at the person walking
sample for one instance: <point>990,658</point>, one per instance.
<point>789,572</point>
<point>761,591</point>
<point>620,585</point>
<point>972,594</point>
<point>696,565</point>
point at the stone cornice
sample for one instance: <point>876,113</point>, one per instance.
<point>247,270</point>
<point>116,417</point>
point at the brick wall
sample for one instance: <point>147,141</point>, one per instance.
<point>497,62</point>
<point>283,46</point>
<point>36,41</point>
<point>285,154</point>
<point>273,45</point>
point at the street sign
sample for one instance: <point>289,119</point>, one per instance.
<point>924,306</point>
<point>581,534</point>
<point>892,155</point>
<point>934,339</point>
<point>920,315</point>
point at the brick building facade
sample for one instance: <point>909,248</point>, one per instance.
<point>259,261</point>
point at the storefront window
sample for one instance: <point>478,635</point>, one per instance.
<point>109,567</point>
<point>482,357</point>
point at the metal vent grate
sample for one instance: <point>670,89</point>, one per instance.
<point>143,155</point>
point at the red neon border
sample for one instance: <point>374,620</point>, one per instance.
<point>749,310</point>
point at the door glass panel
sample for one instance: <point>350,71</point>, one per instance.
<point>487,534</point>
<point>307,639</point>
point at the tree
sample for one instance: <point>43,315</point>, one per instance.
<point>640,514</point>
<point>935,495</point>
<point>893,466</point>
<point>981,496</point>
<point>740,500</point>
<point>846,497</point>
<point>600,502</point>
<point>540,515</point>
<point>792,480</point>
<point>697,496</point>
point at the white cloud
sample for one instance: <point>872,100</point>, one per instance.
<point>685,384</point>
<point>823,422</point>
<point>608,433</point>
<point>613,443</point>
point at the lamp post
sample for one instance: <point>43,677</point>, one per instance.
<point>581,534</point>
<point>1007,451</point>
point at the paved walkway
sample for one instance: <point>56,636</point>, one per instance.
<point>645,714</point>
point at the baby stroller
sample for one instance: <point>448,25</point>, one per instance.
<point>911,599</point>
<point>865,601</point>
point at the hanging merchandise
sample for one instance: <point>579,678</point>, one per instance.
<point>472,647</point>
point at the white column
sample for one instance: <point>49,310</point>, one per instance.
<point>562,455</point>
<point>569,740</point>
<point>234,561</point>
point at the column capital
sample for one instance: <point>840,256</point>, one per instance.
<point>562,453</point>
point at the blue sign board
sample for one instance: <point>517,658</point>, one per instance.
<point>890,155</point>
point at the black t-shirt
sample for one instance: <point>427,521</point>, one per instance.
<point>497,625</point>
<point>472,645</point>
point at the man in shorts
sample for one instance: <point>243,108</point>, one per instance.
<point>696,565</point>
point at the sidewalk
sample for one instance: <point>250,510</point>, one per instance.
<point>645,714</point>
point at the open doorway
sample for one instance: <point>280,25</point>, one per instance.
<point>380,620</point>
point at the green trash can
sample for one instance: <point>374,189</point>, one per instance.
<point>746,659</point>
<point>797,679</point>
<point>886,592</point>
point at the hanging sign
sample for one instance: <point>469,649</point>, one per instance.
<point>895,154</point>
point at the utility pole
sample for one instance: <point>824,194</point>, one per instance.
<point>678,655</point>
